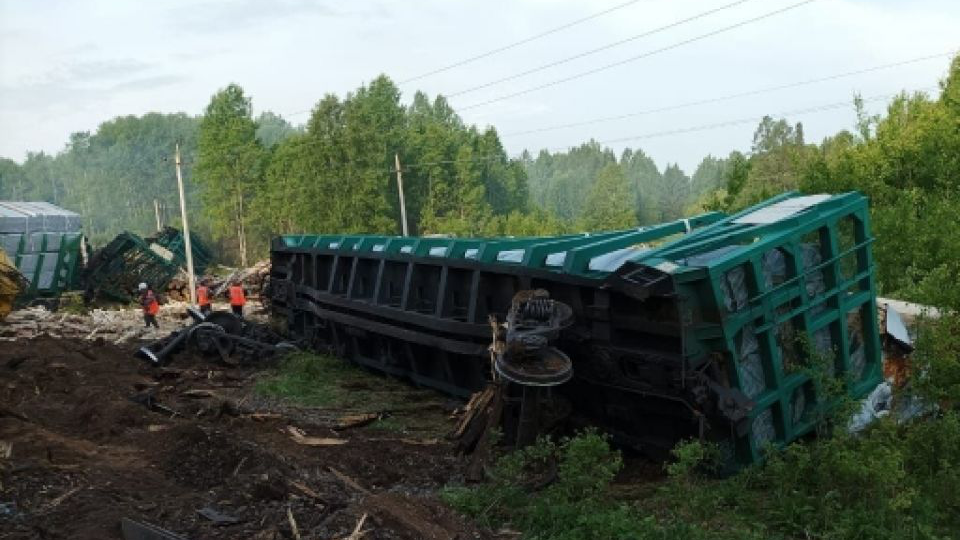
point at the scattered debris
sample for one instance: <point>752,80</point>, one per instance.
<point>875,405</point>
<point>149,401</point>
<point>116,326</point>
<point>217,517</point>
<point>300,437</point>
<point>897,345</point>
<point>219,333</point>
<point>357,420</point>
<point>293,524</point>
<point>349,482</point>
<point>895,329</point>
<point>302,488</point>
<point>138,530</point>
<point>476,406</point>
<point>883,400</point>
<point>157,470</point>
<point>263,416</point>
<point>908,310</point>
<point>60,498</point>
<point>199,393</point>
<point>356,530</point>
<point>396,510</point>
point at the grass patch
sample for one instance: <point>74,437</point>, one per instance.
<point>309,379</point>
<point>327,382</point>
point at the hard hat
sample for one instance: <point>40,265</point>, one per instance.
<point>142,286</point>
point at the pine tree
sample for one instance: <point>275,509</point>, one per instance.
<point>610,204</point>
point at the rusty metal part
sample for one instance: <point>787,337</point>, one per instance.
<point>526,359</point>
<point>525,356</point>
<point>221,334</point>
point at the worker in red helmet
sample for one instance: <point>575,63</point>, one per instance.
<point>150,305</point>
<point>203,297</point>
<point>237,299</point>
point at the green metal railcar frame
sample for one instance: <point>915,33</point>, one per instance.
<point>805,330</point>
<point>723,327</point>
<point>117,268</point>
<point>57,254</point>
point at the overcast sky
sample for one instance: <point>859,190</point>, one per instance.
<point>68,65</point>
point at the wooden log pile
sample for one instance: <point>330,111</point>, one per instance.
<point>252,278</point>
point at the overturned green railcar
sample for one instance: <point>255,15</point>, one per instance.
<point>722,327</point>
<point>45,243</point>
<point>116,269</point>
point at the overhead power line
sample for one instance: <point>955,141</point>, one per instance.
<point>679,131</point>
<point>728,97</point>
<point>524,41</point>
<point>638,57</point>
<point>750,120</point>
<point>599,49</point>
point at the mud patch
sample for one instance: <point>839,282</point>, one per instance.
<point>83,455</point>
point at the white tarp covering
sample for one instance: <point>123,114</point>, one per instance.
<point>556,259</point>
<point>781,210</point>
<point>611,262</point>
<point>511,255</point>
<point>28,217</point>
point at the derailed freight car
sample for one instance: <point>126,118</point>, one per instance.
<point>45,243</point>
<point>721,327</point>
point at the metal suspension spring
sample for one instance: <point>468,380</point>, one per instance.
<point>538,309</point>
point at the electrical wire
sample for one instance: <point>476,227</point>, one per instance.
<point>750,120</point>
<point>599,49</point>
<point>515,44</point>
<point>728,97</point>
<point>647,54</point>
<point>679,131</point>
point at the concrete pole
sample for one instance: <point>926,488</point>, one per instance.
<point>191,279</point>
<point>403,206</point>
<point>156,211</point>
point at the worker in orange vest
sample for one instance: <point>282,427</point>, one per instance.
<point>203,297</point>
<point>237,299</point>
<point>148,301</point>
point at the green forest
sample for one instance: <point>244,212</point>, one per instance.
<point>251,177</point>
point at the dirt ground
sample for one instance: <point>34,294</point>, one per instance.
<point>77,454</point>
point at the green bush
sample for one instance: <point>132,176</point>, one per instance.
<point>937,360</point>
<point>890,482</point>
<point>575,505</point>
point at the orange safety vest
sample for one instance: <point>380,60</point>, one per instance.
<point>151,307</point>
<point>237,297</point>
<point>203,295</point>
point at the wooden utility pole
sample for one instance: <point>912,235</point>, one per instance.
<point>156,211</point>
<point>241,229</point>
<point>191,279</point>
<point>403,206</point>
